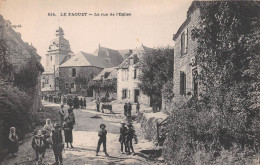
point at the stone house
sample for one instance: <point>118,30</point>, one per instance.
<point>58,52</point>
<point>108,79</point>
<point>75,73</point>
<point>185,70</point>
<point>127,78</point>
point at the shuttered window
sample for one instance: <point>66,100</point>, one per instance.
<point>182,83</point>
<point>184,42</point>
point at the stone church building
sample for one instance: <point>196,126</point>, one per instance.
<point>58,52</point>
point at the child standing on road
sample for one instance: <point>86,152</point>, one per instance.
<point>102,139</point>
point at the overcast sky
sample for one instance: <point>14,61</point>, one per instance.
<point>152,22</point>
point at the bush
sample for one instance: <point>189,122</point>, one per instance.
<point>14,111</point>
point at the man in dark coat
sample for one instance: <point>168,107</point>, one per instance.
<point>125,109</point>
<point>76,102</point>
<point>70,102</point>
<point>129,110</point>
<point>129,138</point>
<point>102,139</point>
<point>98,104</point>
<point>81,103</point>
<point>58,143</point>
<point>122,138</point>
<point>84,103</point>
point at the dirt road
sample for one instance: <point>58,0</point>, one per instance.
<point>85,138</point>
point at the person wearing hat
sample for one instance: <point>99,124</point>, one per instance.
<point>102,139</point>
<point>122,137</point>
<point>129,138</point>
<point>58,143</point>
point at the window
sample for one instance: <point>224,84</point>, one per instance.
<point>135,59</point>
<point>182,83</point>
<point>66,85</point>
<point>195,81</point>
<point>124,93</point>
<point>46,81</point>
<point>42,84</point>
<point>51,58</point>
<point>184,42</point>
<point>72,85</point>
<point>106,74</point>
<point>131,61</point>
<point>135,74</point>
<point>73,73</point>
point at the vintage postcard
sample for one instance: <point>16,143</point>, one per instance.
<point>129,82</point>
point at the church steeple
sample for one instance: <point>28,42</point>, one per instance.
<point>59,32</point>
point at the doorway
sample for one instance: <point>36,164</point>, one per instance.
<point>137,93</point>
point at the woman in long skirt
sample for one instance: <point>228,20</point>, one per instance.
<point>67,127</point>
<point>13,142</point>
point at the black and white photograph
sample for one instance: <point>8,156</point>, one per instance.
<point>129,82</point>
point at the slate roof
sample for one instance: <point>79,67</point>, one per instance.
<point>116,56</point>
<point>111,74</point>
<point>138,52</point>
<point>86,59</point>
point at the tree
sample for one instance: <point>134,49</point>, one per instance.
<point>157,70</point>
<point>227,115</point>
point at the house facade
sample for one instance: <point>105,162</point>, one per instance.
<point>75,73</point>
<point>127,78</point>
<point>185,70</point>
<point>106,84</point>
<point>58,52</point>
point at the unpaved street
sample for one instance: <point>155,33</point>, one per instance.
<point>85,138</point>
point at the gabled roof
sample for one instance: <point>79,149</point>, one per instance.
<point>85,59</point>
<point>138,52</point>
<point>116,56</point>
<point>111,73</point>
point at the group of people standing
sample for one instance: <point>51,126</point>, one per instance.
<point>126,137</point>
<point>55,135</point>
<point>128,109</point>
<point>75,102</point>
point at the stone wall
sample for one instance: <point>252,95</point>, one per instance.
<point>149,122</point>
